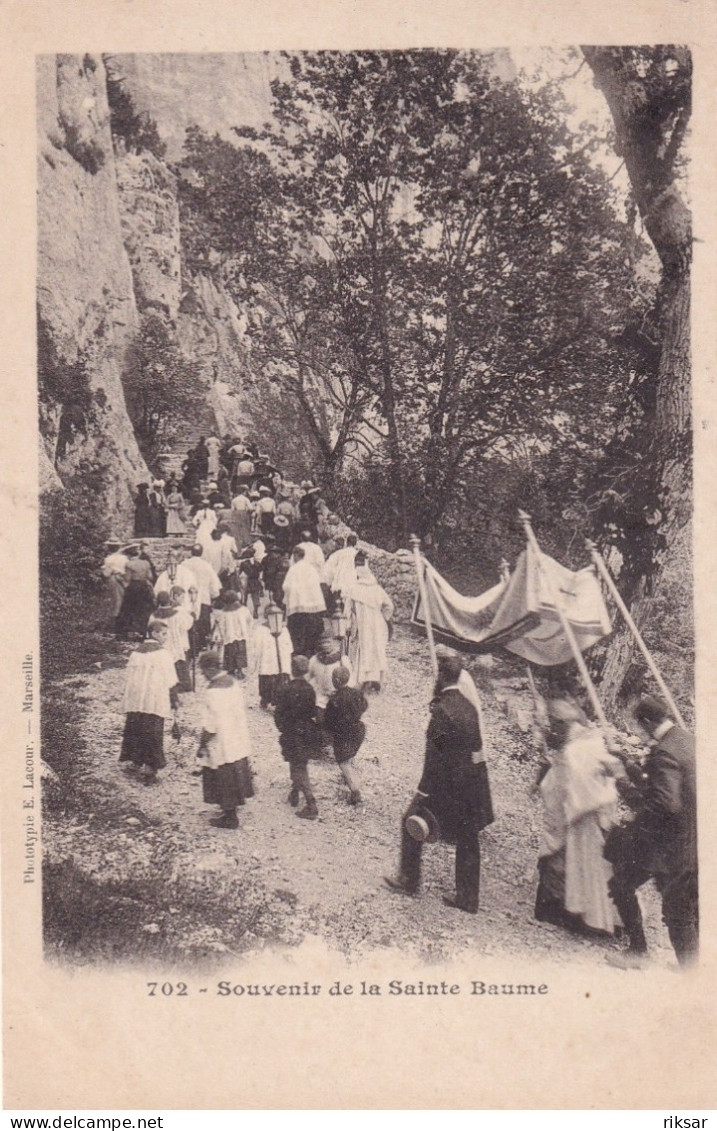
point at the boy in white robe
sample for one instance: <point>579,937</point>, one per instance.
<point>231,633</point>
<point>224,745</point>
<point>149,698</point>
<point>272,658</point>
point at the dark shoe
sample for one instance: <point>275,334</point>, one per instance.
<point>226,821</point>
<point>150,779</point>
<point>553,916</point>
<point>293,798</point>
<point>355,797</point>
<point>309,812</point>
<point>399,886</point>
<point>557,916</point>
<point>459,905</point>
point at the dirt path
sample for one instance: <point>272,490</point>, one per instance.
<point>138,873</point>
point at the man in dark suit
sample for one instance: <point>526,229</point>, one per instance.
<point>661,842</point>
<point>454,789</point>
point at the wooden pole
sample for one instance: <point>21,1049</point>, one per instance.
<point>608,579</point>
<point>416,547</point>
<point>565,623</point>
<point>538,701</point>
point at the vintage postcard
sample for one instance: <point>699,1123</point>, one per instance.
<point>358,531</point>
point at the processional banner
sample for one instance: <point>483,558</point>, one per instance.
<point>521,614</point>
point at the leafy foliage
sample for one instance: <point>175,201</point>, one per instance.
<point>240,223</point>
<point>72,533</point>
<point>434,266</point>
<point>163,389</point>
<point>137,131</point>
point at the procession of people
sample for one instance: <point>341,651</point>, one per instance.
<point>253,595</point>
<point>270,589</point>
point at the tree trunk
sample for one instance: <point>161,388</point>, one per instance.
<point>388,397</point>
<point>645,133</point>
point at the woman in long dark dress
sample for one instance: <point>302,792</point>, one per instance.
<point>142,512</point>
<point>158,513</point>
<point>138,598</point>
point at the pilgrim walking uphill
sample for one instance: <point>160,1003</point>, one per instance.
<point>150,697</point>
<point>224,746</point>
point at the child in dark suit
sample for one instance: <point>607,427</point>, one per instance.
<point>342,719</point>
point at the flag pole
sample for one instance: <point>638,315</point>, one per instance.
<point>416,547</point>
<point>608,579</point>
<point>565,623</point>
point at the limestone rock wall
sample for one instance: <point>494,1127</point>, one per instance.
<point>214,91</point>
<point>87,314</point>
<point>149,215</point>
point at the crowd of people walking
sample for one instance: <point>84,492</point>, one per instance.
<point>268,587</point>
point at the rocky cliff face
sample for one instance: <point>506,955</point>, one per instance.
<point>86,308</point>
<point>149,214</point>
<point>109,250</point>
<point>213,91</point>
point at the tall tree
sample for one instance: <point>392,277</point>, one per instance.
<point>522,283</point>
<point>482,265</point>
<point>343,138</point>
<point>648,92</point>
<point>245,223</point>
<point>163,387</point>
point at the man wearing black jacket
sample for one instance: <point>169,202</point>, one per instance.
<point>661,842</point>
<point>454,789</point>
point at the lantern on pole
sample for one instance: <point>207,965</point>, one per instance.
<point>275,623</point>
<point>339,623</point>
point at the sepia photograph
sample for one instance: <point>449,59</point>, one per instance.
<point>363,697</point>
<point>318,332</point>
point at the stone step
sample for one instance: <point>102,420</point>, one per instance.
<point>158,550</point>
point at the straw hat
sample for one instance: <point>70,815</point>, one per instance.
<point>423,826</point>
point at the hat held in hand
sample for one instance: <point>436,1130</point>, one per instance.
<point>423,826</point>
